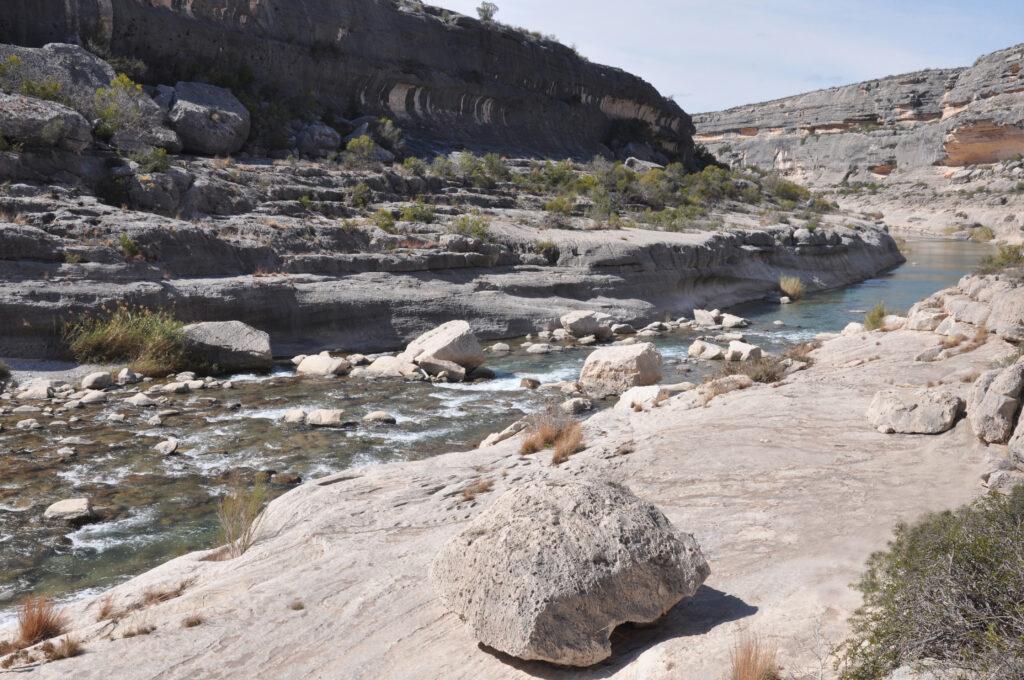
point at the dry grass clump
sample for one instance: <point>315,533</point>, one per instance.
<point>150,340</point>
<point>296,605</point>
<point>554,428</point>
<point>240,514</point>
<point>107,609</point>
<point>192,621</point>
<point>766,370</point>
<point>139,629</point>
<point>792,286</point>
<point>753,658</point>
<point>66,648</point>
<point>478,487</point>
<point>38,620</point>
<point>568,442</point>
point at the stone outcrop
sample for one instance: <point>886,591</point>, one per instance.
<point>872,130</point>
<point>551,569</point>
<point>210,120</point>
<point>443,77</point>
<point>920,412</point>
<point>613,370</point>
<point>228,345</point>
<point>38,123</point>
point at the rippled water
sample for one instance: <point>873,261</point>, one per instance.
<point>161,506</point>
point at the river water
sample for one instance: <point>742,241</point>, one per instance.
<point>160,507</point>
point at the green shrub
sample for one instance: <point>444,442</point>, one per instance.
<point>72,258</point>
<point>384,220</point>
<point>418,212</point>
<point>784,190</point>
<point>151,341</point>
<point>947,588</point>
<point>8,64</point>
<point>486,11</point>
<point>360,196</point>
<point>116,106</point>
<point>415,166</point>
<point>48,89</point>
<point>560,206</point>
<point>360,150</point>
<point>390,135</point>
<point>470,225</point>
<point>751,195</point>
<point>129,248</point>
<point>875,318</point>
<point>983,234</point>
<point>1006,258</point>
<point>442,167</point>
<point>154,160</point>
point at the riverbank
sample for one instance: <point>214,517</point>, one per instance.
<point>747,475</point>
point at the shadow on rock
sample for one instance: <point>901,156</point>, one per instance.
<point>695,615</point>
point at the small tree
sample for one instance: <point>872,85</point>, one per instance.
<point>486,11</point>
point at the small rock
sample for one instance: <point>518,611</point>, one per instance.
<point>529,383</point>
<point>613,370</point>
<point>140,400</point>
<point>127,377</point>
<point>96,381</point>
<point>576,405</point>
<point>741,351</point>
<point>29,424</point>
<point>499,347</point>
<point>294,416</point>
<point>71,510</point>
<point>705,350</point>
<point>326,418</point>
<point>539,348</point>
<point>166,447</point>
<point>322,364</point>
<point>298,359</point>
<point>285,479</point>
<point>379,417</point>
<point>115,418</point>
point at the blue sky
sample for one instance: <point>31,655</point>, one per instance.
<point>712,54</point>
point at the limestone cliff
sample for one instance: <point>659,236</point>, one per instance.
<point>871,130</point>
<point>447,79</point>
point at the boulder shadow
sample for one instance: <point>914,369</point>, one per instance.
<point>697,615</point>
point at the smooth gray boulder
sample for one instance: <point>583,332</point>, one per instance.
<point>96,381</point>
<point>613,370</point>
<point>453,341</point>
<point>229,345</point>
<point>549,570</point>
<point>71,510</point>
<point>209,119</point>
<point>920,412</point>
<point>582,323</point>
<point>317,139</point>
<point>39,123</point>
<point>994,402</point>
<point>322,364</point>
<point>742,351</point>
<point>700,349</point>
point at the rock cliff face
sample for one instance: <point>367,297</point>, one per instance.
<point>873,130</point>
<point>445,78</point>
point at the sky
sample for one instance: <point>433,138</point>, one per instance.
<point>714,54</point>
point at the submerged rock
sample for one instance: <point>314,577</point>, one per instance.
<point>551,569</point>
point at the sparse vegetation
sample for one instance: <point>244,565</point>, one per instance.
<point>129,248</point>
<point>191,621</point>
<point>360,151</point>
<point>470,225</point>
<point>240,513</point>
<point>792,286</point>
<point>150,340</point>
<point>875,318</point>
<point>1007,257</point>
<point>753,658</point>
<point>478,487</point>
<point>568,442</point>
<point>296,605</point>
<point>486,11</point>
<point>49,89</point>
<point>419,211</point>
<point>384,220</point>
<point>66,648</point>
<point>153,160</point>
<point>38,620</point>
<point>116,106</point>
<point>982,234</point>
<point>553,428</point>
<point>947,588</point>
<point>360,196</point>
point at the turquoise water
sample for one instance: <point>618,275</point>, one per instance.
<point>159,507</point>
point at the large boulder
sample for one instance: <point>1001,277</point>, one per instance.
<point>39,123</point>
<point>229,345</point>
<point>705,350</point>
<point>391,367</point>
<point>920,412</point>
<point>613,370</point>
<point>209,119</point>
<point>317,139</point>
<point>322,364</point>
<point>741,351</point>
<point>582,323</point>
<point>549,570</point>
<point>994,402</point>
<point>453,341</point>
<point>71,511</point>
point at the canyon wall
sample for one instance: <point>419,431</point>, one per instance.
<point>445,78</point>
<point>876,129</point>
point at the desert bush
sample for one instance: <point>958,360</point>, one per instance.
<point>240,513</point>
<point>486,11</point>
<point>191,621</point>
<point>766,370</point>
<point>982,234</point>
<point>150,340</point>
<point>478,487</point>
<point>420,211</point>
<point>390,135</point>
<point>384,220</point>
<point>553,428</point>
<point>784,190</point>
<point>792,286</point>
<point>560,206</point>
<point>360,196</point>
<point>470,225</point>
<point>442,167</point>
<point>49,89</point>
<point>753,658</point>
<point>415,166</point>
<point>38,620</point>
<point>129,248</point>
<point>568,442</point>
<point>875,318</point>
<point>117,106</point>
<point>153,160</point>
<point>360,151</point>
<point>1007,257</point>
<point>948,587</point>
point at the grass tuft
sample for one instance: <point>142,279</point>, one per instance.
<point>875,319</point>
<point>240,514</point>
<point>150,340</point>
<point>66,648</point>
<point>192,621</point>
<point>568,442</point>
<point>792,286</point>
<point>753,658</point>
<point>38,620</point>
<point>478,487</point>
<point>553,428</point>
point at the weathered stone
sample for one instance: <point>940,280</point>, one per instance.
<point>582,323</point>
<point>705,350</point>
<point>922,412</point>
<point>322,364</point>
<point>553,567</point>
<point>296,415</point>
<point>576,405</point>
<point>229,345</point>
<point>38,123</point>
<point>741,351</point>
<point>96,381</point>
<point>326,418</point>
<point>733,321</point>
<point>436,367</point>
<point>393,367</point>
<point>613,370</point>
<point>380,417</point>
<point>453,341</point>
<point>317,139</point>
<point>93,397</point>
<point>704,317</point>
<point>166,447</point>
<point>1003,481</point>
<point>141,400</point>
<point>994,402</point>
<point>71,510</point>
<point>127,376</point>
<point>640,398</point>
<point>209,119</point>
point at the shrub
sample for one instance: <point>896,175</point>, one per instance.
<point>784,190</point>
<point>129,248</point>
<point>875,318</point>
<point>415,166</point>
<point>947,588</point>
<point>792,286</point>
<point>983,234</point>
<point>751,194</point>
<point>360,150</point>
<point>116,106</point>
<point>418,212</point>
<point>560,206</point>
<point>151,341</point>
<point>360,195</point>
<point>553,427</point>
<point>442,167</point>
<point>486,11</point>
<point>470,225</point>
<point>1007,257</point>
<point>48,89</point>
<point>38,620</point>
<point>192,621</point>
<point>478,487</point>
<point>240,514</point>
<point>766,370</point>
<point>154,160</point>
<point>753,658</point>
<point>384,220</point>
<point>65,649</point>
<point>390,135</point>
